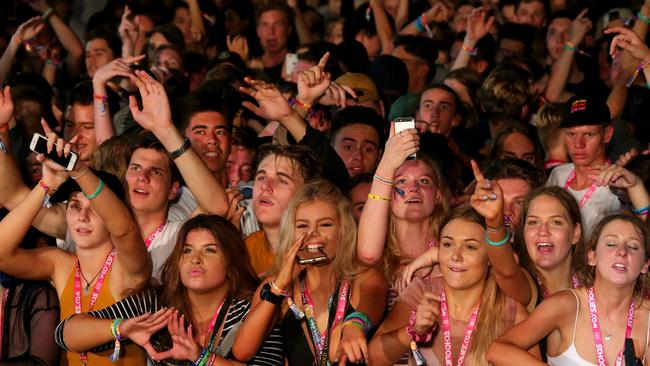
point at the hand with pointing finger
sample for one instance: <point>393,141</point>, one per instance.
<point>487,199</point>
<point>313,83</point>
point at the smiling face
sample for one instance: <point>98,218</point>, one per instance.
<point>416,179</point>
<point>462,255</point>
<point>620,254</point>
<point>203,265</point>
<point>319,220</point>
<point>549,233</point>
<point>276,182</point>
<point>148,180</point>
<point>86,228</point>
<point>209,134</point>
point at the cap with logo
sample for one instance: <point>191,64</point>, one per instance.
<point>585,111</point>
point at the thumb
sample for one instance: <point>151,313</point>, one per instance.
<point>133,106</point>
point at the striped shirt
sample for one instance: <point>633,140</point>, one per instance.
<point>270,353</point>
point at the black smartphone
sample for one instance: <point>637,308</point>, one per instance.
<point>312,257</point>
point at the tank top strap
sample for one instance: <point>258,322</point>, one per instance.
<point>575,323</point>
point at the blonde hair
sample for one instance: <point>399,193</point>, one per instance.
<point>392,253</point>
<point>345,263</point>
<point>548,125</point>
<point>491,318</point>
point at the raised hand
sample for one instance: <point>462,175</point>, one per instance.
<point>614,176</point>
<point>477,25</point>
<point>629,41</point>
<point>487,199</point>
<point>127,30</point>
<point>399,147</point>
<point>156,112</point>
<point>234,211</point>
<point>29,29</point>
<point>273,106</point>
<point>6,106</point>
<point>238,45</point>
<point>290,268</point>
<point>118,67</point>
<point>313,83</point>
<point>438,13</point>
<point>337,95</point>
<point>579,28</point>
<point>38,5</point>
<point>140,329</point>
<point>427,313</point>
<point>184,347</point>
<point>53,174</point>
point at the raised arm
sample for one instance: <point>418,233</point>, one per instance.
<point>562,66</point>
<point>13,190</point>
<point>487,200</point>
<point>302,29</point>
<point>383,26</point>
<point>101,112</point>
<point>619,177</point>
<point>155,116</point>
<point>196,16</point>
<point>65,35</point>
<point>25,31</point>
<point>373,224</point>
<point>437,13</point>
<point>478,26</point>
<point>128,32</point>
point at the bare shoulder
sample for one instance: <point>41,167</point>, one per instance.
<point>371,278</point>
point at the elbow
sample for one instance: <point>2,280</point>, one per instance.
<point>368,258</point>
<point>492,352</point>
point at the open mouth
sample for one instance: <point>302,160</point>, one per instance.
<point>619,267</point>
<point>545,247</point>
<point>413,200</point>
<point>313,248</point>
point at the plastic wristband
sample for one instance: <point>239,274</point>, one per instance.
<point>643,18</point>
<point>80,175</point>
<point>378,197</point>
<point>47,13</point>
<point>278,290</point>
<point>103,98</point>
<point>381,179</point>
<point>471,50</point>
<point>569,47</point>
<point>503,242</point>
<point>115,329</point>
<point>94,195</point>
<point>418,24</point>
<point>493,229</point>
<point>410,330</point>
<point>641,211</point>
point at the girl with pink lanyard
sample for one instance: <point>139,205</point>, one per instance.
<point>589,325</point>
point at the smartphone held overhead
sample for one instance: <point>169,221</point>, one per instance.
<point>402,124</point>
<point>39,146</point>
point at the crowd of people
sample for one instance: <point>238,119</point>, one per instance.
<point>324,182</point>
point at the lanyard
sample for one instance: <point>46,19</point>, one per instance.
<point>154,235</point>
<point>216,321</point>
<point>3,309</point>
<point>595,327</point>
<point>575,283</point>
<point>95,294</point>
<point>321,340</point>
<point>446,331</point>
<point>589,192</point>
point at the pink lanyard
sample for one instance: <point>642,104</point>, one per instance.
<point>213,322</point>
<point>595,326</point>
<point>3,306</point>
<point>154,235</point>
<point>575,283</point>
<point>446,331</point>
<point>589,192</point>
<point>95,294</point>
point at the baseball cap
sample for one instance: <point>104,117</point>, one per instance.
<point>585,111</point>
<point>362,84</point>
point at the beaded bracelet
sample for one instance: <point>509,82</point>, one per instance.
<point>378,197</point>
<point>503,242</point>
<point>642,210</point>
<point>410,330</point>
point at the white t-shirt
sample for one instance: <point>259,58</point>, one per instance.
<point>602,202</point>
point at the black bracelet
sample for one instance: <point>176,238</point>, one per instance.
<point>181,150</point>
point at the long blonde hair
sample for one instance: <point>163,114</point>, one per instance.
<point>345,263</point>
<point>491,318</point>
<point>392,253</point>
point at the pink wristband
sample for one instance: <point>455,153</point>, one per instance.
<point>410,330</point>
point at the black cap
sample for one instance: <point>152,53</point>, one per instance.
<point>70,186</point>
<point>585,111</point>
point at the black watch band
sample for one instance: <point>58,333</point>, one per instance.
<point>267,295</point>
<point>181,150</point>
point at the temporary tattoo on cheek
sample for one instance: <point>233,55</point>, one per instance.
<point>400,192</point>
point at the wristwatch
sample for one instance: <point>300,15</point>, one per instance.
<point>267,295</point>
<point>181,150</point>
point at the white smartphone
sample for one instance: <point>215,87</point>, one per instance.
<point>39,146</point>
<point>404,123</point>
<point>290,62</point>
